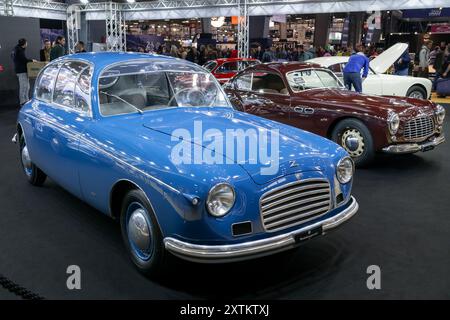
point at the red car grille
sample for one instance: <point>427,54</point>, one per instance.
<point>419,128</point>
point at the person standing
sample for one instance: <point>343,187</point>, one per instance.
<point>352,70</point>
<point>79,47</point>
<point>20,67</point>
<point>424,59</point>
<point>58,49</point>
<point>401,66</point>
<point>44,53</point>
<point>438,62</point>
<point>445,67</point>
<point>308,52</point>
<point>258,53</point>
<point>192,55</point>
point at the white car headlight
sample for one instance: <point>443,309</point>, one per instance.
<point>393,122</point>
<point>344,170</point>
<point>220,199</point>
<point>440,114</point>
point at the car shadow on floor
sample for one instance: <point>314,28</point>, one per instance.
<point>312,265</point>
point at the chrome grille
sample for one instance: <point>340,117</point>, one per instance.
<point>295,203</point>
<point>419,128</point>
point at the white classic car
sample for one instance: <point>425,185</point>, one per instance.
<point>379,83</point>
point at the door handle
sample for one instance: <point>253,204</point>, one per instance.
<point>304,110</point>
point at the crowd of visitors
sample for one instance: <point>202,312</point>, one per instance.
<point>438,57</point>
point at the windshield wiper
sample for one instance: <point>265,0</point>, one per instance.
<point>123,100</point>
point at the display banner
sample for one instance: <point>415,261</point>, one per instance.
<point>50,34</point>
<point>444,28</point>
<point>373,23</point>
<point>345,29</point>
<point>147,42</point>
<point>426,13</point>
<point>281,18</point>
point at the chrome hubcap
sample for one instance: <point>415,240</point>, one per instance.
<point>139,233</point>
<point>416,95</point>
<point>26,161</point>
<point>353,142</point>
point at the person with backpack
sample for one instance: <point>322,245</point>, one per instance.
<point>20,67</point>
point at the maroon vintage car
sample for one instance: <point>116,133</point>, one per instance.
<point>312,98</point>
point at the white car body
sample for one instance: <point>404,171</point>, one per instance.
<point>377,82</point>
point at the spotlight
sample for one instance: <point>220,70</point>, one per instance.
<point>131,1</point>
<point>84,1</point>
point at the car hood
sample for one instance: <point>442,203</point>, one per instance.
<point>299,151</point>
<point>370,104</point>
<point>382,62</point>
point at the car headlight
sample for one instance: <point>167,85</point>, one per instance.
<point>440,114</point>
<point>393,122</point>
<point>220,199</point>
<point>344,170</point>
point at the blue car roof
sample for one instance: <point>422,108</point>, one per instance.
<point>104,59</point>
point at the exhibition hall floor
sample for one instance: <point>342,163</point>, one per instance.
<point>403,226</point>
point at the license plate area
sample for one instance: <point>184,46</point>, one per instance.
<point>307,235</point>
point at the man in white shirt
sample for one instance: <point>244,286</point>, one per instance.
<point>424,58</point>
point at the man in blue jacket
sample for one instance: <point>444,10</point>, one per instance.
<point>402,65</point>
<point>352,70</point>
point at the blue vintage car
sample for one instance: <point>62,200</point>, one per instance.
<point>117,130</point>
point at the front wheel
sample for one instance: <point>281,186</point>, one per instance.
<point>355,138</point>
<point>34,175</point>
<point>417,92</point>
<point>141,234</point>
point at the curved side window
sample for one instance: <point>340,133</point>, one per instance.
<point>244,82</point>
<point>46,82</point>
<point>72,86</point>
<point>82,90</point>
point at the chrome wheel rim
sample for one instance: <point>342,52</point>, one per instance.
<point>353,142</point>
<point>416,95</point>
<point>139,231</point>
<point>26,161</point>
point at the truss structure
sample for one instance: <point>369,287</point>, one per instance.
<point>170,9</point>
<point>73,25</point>
<point>243,29</point>
<point>115,28</point>
<point>6,7</point>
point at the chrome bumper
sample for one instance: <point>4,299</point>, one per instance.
<point>253,249</point>
<point>415,147</point>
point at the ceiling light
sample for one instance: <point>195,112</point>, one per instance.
<point>84,1</point>
<point>131,1</point>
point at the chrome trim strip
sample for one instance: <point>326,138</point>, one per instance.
<point>253,249</point>
<point>414,147</point>
<point>14,138</point>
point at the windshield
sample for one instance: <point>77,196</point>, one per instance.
<point>312,78</point>
<point>131,90</point>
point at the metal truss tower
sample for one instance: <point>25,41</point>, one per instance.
<point>73,25</point>
<point>7,7</point>
<point>115,28</point>
<point>243,29</point>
